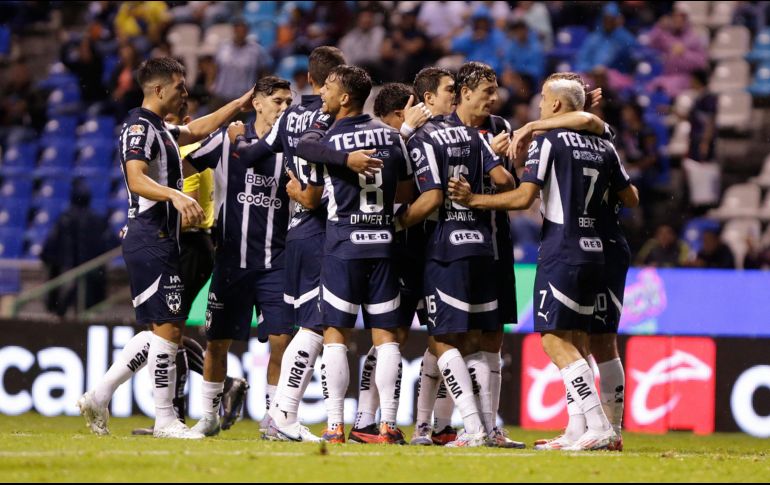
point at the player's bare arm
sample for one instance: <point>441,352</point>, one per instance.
<point>141,184</point>
<point>520,198</point>
<point>313,150</point>
<point>502,179</point>
<point>424,206</point>
<point>310,197</point>
<point>629,196</point>
<point>573,120</point>
<point>204,126</point>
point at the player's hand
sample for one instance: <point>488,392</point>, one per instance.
<point>500,143</point>
<point>236,128</point>
<point>359,161</point>
<point>519,141</point>
<point>245,100</point>
<point>188,208</point>
<point>460,191</point>
<point>415,116</point>
<point>594,97</point>
<point>293,187</point>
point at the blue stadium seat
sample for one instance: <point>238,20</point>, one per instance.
<point>761,50</point>
<point>19,159</point>
<point>95,156</point>
<point>58,77</point>
<point>100,126</point>
<point>48,211</point>
<point>61,127</point>
<point>100,187</point>
<point>11,242</point>
<point>760,87</point>
<point>34,239</point>
<point>5,40</point>
<point>55,188</point>
<point>647,70</point>
<point>119,197</point>
<point>568,41</point>
<point>13,212</point>
<point>100,205</point>
<point>56,158</point>
<point>109,63</point>
<point>266,32</point>
<point>64,100</point>
<point>10,281</point>
<point>252,9</point>
<point>694,229</point>
<point>525,253</point>
<point>17,186</point>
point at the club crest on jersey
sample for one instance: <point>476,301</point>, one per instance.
<point>174,302</point>
<point>136,130</point>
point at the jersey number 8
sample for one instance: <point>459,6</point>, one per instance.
<point>371,197</point>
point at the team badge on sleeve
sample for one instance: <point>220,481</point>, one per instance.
<point>136,130</point>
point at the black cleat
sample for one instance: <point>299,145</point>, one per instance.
<point>232,402</point>
<point>367,434</point>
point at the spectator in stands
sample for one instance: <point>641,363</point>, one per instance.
<point>21,104</point>
<point>752,15</point>
<point>610,45</point>
<point>482,41</point>
<point>682,49</point>
<point>125,91</point>
<point>204,81</point>
<point>83,60</point>
<point>362,46</point>
<point>714,253</point>
<point>499,11</point>
<point>143,21</point>
<point>405,50</point>
<point>239,62</point>
<point>442,20</point>
<point>757,256</point>
<point>203,13</point>
<point>537,18</point>
<point>702,119</point>
<point>665,250</point>
<point>637,145</point>
<point>524,52</point>
<point>77,237</point>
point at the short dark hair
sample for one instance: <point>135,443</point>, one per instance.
<point>159,67</point>
<point>428,80</point>
<point>268,85</point>
<point>322,60</point>
<point>472,73</point>
<point>391,97</point>
<point>354,81</point>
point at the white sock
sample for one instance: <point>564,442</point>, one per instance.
<point>368,397</point>
<point>296,373</point>
<point>131,359</point>
<point>212,398</point>
<point>612,380</point>
<point>459,386</point>
<point>444,407</point>
<point>578,380</point>
<point>269,395</point>
<point>388,379</point>
<point>427,389</point>
<point>495,364</point>
<point>336,375</point>
<point>162,363</point>
<point>576,425</point>
<point>478,369</point>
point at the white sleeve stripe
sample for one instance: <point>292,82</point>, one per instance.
<point>149,142</point>
<point>431,156</point>
<point>208,147</point>
<point>545,153</point>
<point>489,148</point>
<point>406,156</point>
<point>620,163</point>
<point>274,130</point>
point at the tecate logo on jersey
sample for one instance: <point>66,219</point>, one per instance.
<point>370,237</point>
<point>591,244</point>
<point>671,382</point>
<point>260,200</point>
<point>458,238</point>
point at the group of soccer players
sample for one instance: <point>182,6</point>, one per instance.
<point>324,211</point>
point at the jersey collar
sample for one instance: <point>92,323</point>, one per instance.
<point>354,120</point>
<point>153,118</point>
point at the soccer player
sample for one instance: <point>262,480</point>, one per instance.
<point>572,171</point>
<point>393,105</point>
<point>609,303</point>
<point>460,296</point>
<point>153,174</point>
<point>357,269</point>
<point>249,267</point>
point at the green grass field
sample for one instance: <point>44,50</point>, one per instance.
<point>36,448</point>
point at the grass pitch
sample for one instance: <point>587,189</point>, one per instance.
<point>36,448</point>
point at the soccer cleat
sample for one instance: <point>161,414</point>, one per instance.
<point>499,439</point>
<point>467,440</point>
<point>207,426</point>
<point>558,443</point>
<point>142,431</point>
<point>96,416</point>
<point>391,435</point>
<point>232,402</point>
<point>177,430</point>
<point>616,443</point>
<point>335,435</point>
<point>265,423</point>
<point>421,436</point>
<point>592,440</point>
<point>445,436</point>
<point>293,432</point>
<point>367,434</point>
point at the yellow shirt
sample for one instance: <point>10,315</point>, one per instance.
<point>203,183</point>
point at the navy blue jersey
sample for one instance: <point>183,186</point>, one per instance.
<point>445,148</point>
<point>148,138</point>
<point>501,224</point>
<point>284,138</point>
<point>360,211</point>
<point>573,172</point>
<point>253,220</point>
<point>609,226</point>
